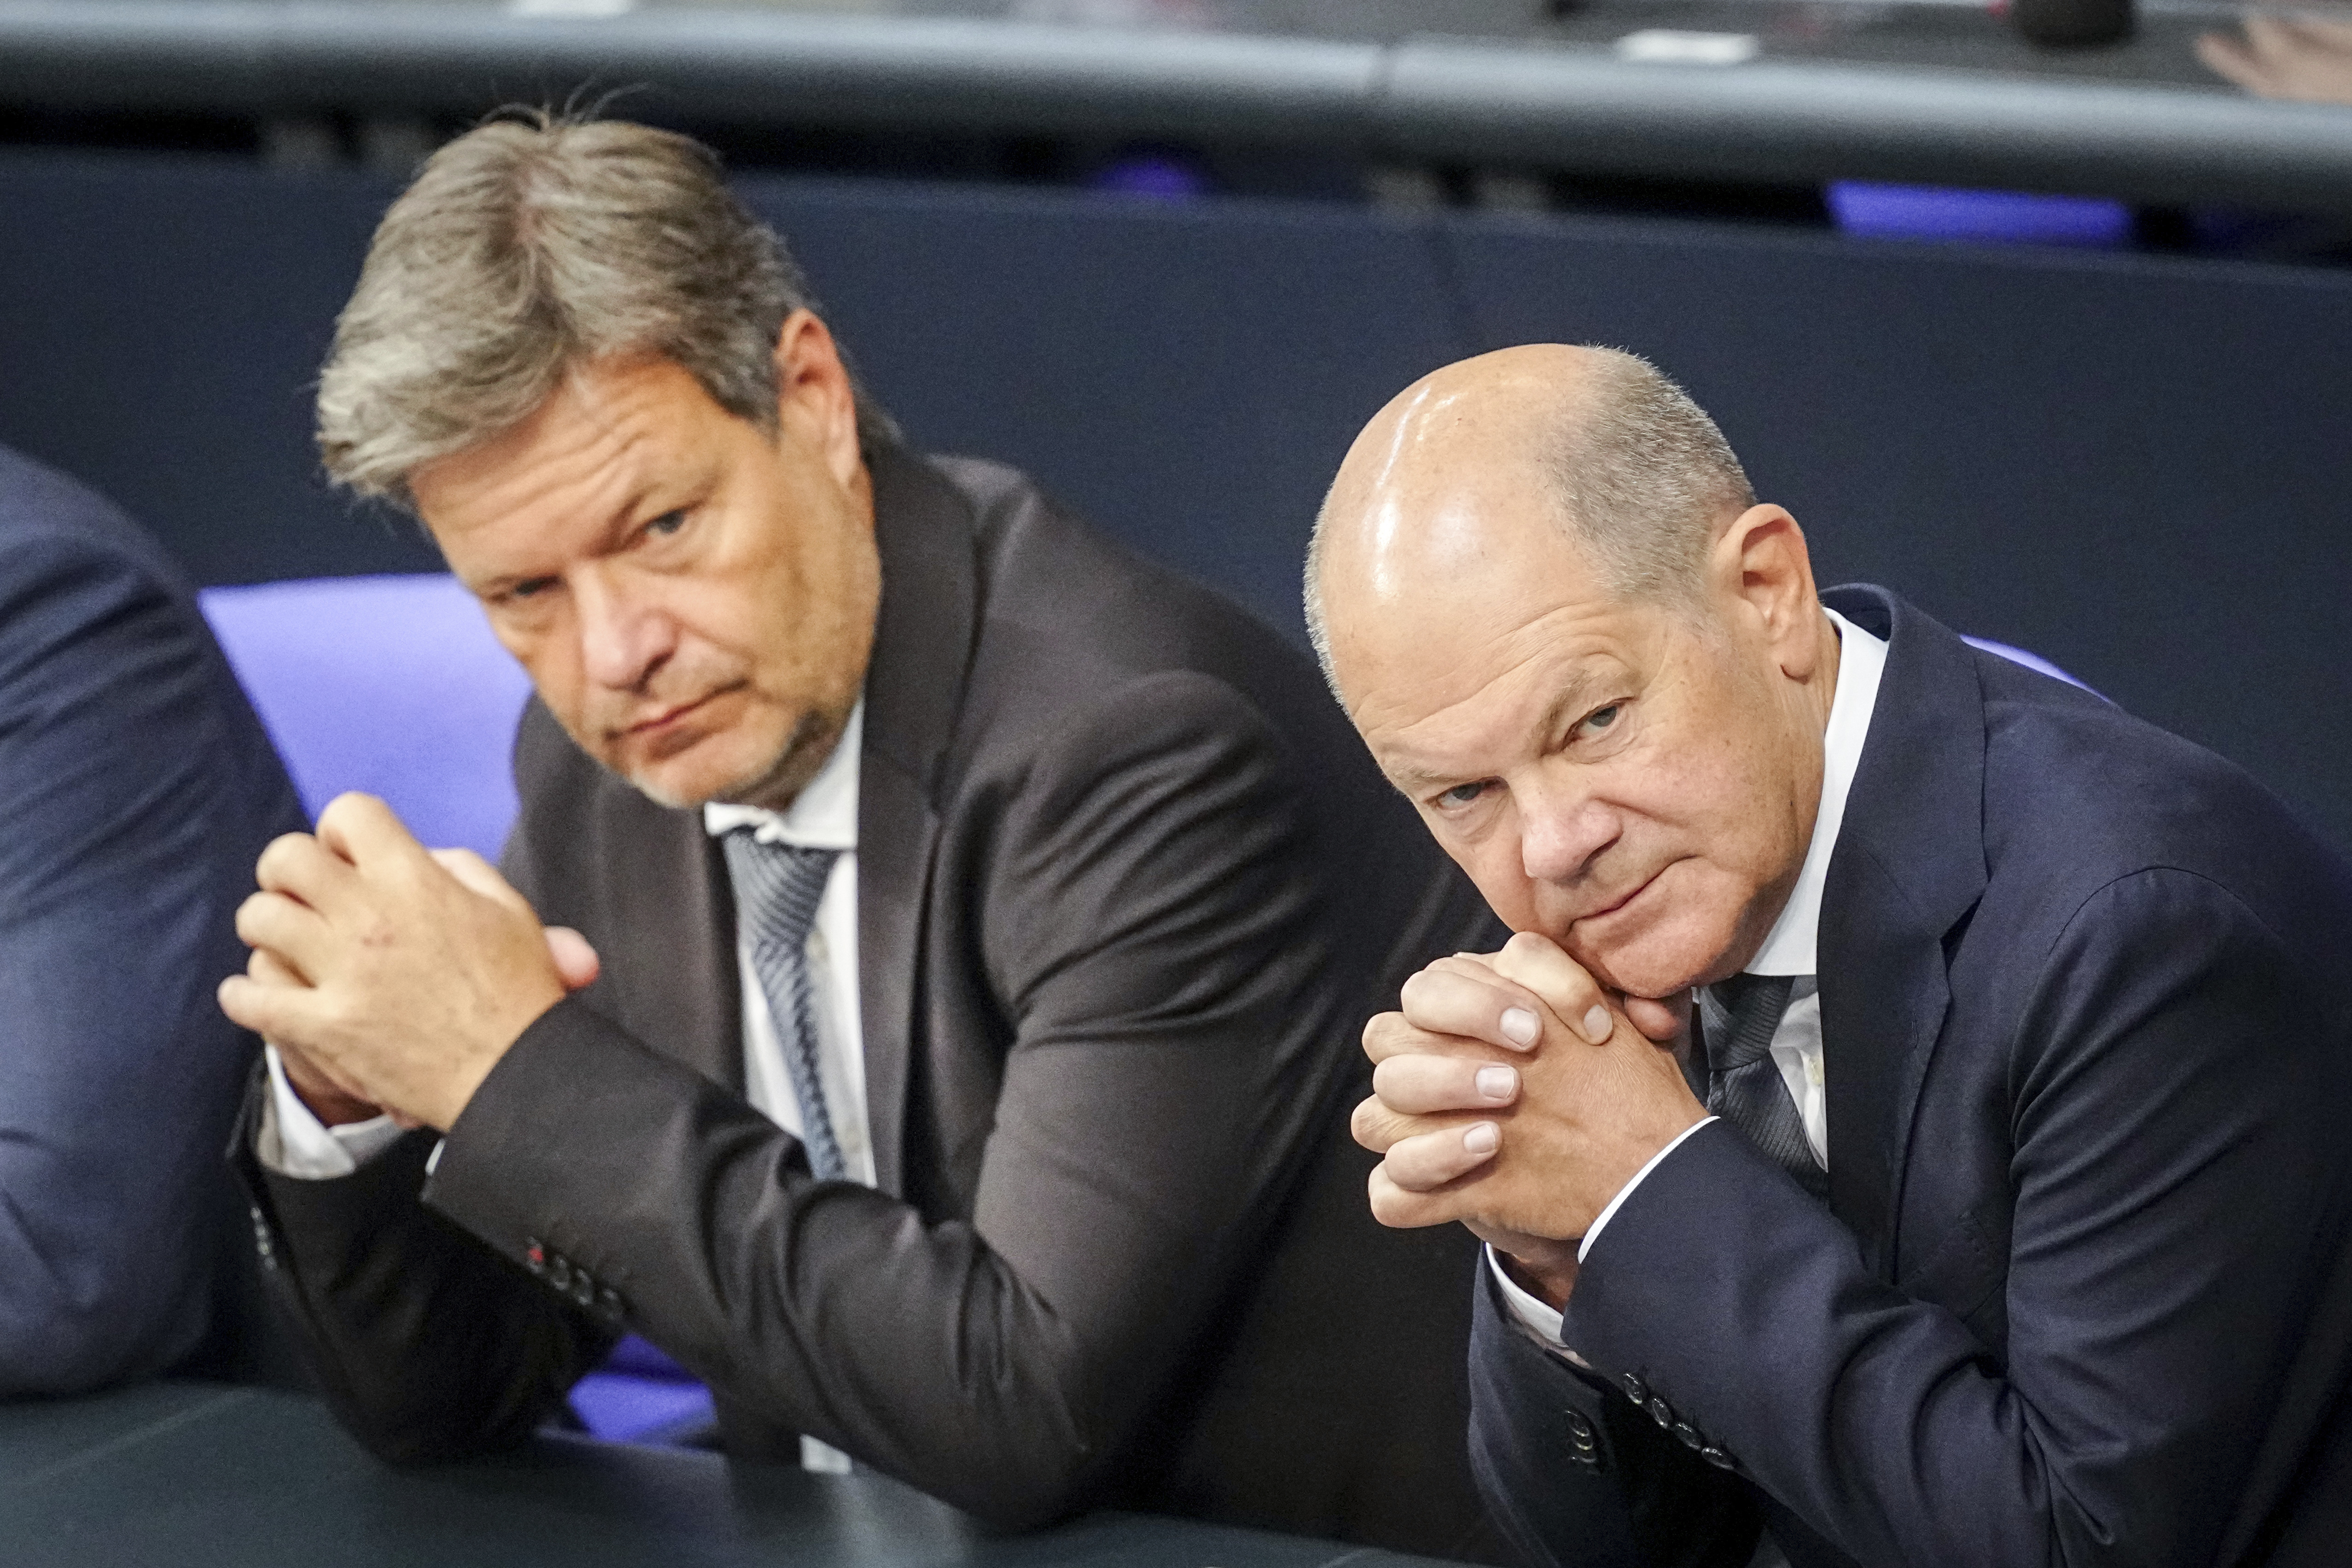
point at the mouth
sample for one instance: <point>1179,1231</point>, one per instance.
<point>665,718</point>
<point>670,716</point>
<point>1613,907</point>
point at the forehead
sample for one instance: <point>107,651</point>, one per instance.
<point>1429,594</point>
<point>585,455</point>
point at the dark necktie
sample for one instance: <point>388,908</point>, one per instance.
<point>777,889</point>
<point>1743,1085</point>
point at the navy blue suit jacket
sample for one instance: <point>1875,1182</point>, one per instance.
<point>2082,1293</point>
<point>137,789</point>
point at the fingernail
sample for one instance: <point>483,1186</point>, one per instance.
<point>1520,1025</point>
<point>1482,1138</point>
<point>1496,1082</point>
<point>1598,1025</point>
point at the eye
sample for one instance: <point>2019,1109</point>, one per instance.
<point>530,588</point>
<point>1601,717</point>
<point>667,523</point>
<point>1464,794</point>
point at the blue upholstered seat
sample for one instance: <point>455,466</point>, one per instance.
<point>390,685</point>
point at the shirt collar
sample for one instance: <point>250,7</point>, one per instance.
<point>823,815</point>
<point>1789,948</point>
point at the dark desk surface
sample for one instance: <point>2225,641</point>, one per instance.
<point>1936,90</point>
<point>193,1476</point>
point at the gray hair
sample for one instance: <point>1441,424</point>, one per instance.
<point>527,247</point>
<point>1643,478</point>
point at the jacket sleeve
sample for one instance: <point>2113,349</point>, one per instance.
<point>139,792</point>
<point>2181,1194</point>
<point>1576,1476</point>
<point>1152,937</point>
<point>426,1345</point>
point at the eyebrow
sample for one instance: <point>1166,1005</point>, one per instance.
<point>625,519</point>
<point>1575,694</point>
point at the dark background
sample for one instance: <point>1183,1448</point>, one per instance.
<point>2134,464</point>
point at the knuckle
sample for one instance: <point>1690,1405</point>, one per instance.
<point>280,855</point>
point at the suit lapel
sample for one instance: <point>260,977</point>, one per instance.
<point>1909,864</point>
<point>711,1005</point>
<point>664,895</point>
<point>914,688</point>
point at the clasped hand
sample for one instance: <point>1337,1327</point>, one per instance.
<point>1513,1093</point>
<point>389,975</point>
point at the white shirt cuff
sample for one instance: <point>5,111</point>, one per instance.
<point>294,1143</point>
<point>1585,1247</point>
<point>1528,1307</point>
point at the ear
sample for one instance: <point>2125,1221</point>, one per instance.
<point>1763,564</point>
<point>814,398</point>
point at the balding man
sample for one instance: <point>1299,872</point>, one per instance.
<point>1994,1208</point>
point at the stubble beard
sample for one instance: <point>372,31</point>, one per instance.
<point>774,786</point>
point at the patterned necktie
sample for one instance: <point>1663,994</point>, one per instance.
<point>1743,1085</point>
<point>777,889</point>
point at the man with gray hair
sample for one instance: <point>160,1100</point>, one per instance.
<point>1996,1207</point>
<point>977,926</point>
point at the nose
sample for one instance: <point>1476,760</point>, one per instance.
<point>1561,829</point>
<point>623,636</point>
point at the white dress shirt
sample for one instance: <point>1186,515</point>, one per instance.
<point>823,816</point>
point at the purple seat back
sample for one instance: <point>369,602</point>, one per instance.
<point>390,685</point>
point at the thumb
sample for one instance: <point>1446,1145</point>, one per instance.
<point>1664,1020</point>
<point>576,964</point>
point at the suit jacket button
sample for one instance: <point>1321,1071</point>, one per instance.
<point>1637,1390</point>
<point>558,1272</point>
<point>1580,1425</point>
<point>534,1256</point>
<point>1660,1412</point>
<point>608,1302</point>
<point>1688,1436</point>
<point>1715,1456</point>
<point>583,1287</point>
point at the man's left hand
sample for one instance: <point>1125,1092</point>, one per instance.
<point>402,980</point>
<point>1587,1108</point>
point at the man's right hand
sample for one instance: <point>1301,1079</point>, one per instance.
<point>576,965</point>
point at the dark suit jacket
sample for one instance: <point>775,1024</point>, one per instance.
<point>138,789</point>
<point>2082,1293</point>
<point>1128,890</point>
